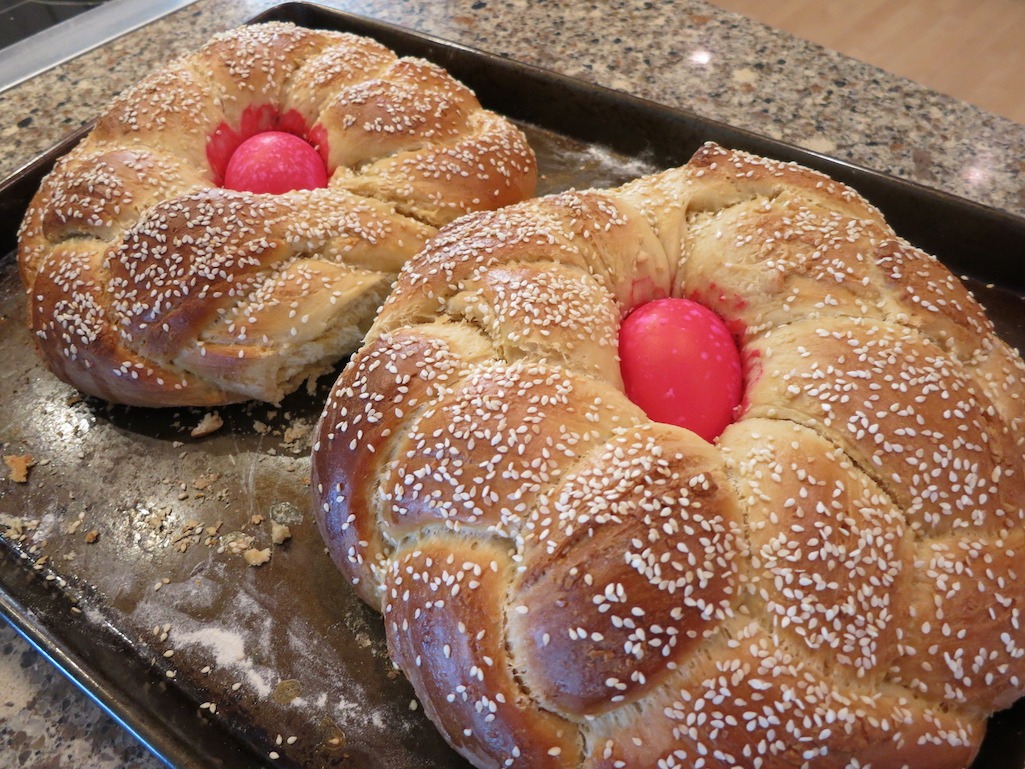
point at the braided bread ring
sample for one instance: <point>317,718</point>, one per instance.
<point>568,584</point>
<point>149,284</point>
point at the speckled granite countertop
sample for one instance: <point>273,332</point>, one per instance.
<point>679,52</point>
<point>686,54</point>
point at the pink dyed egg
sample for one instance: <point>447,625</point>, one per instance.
<point>274,162</point>
<point>681,365</point>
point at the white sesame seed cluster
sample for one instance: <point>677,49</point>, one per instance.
<point>150,284</point>
<point>833,583</point>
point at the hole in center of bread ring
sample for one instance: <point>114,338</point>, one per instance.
<point>681,365</point>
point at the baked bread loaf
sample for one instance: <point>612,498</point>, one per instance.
<point>149,283</point>
<point>835,581</point>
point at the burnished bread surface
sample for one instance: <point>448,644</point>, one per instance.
<point>833,583</point>
<point>149,284</point>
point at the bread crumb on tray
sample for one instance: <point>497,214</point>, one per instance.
<point>256,557</point>
<point>279,533</point>
<point>19,465</point>
<point>210,423</point>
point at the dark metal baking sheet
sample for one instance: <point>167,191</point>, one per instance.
<point>116,557</point>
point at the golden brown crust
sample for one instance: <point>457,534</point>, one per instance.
<point>434,592</point>
<point>156,287</point>
<point>658,498</point>
<point>748,701</point>
<point>831,584</point>
<point>913,419</point>
<point>408,368</point>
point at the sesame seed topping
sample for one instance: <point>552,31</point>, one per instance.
<point>132,252</point>
<point>567,582</point>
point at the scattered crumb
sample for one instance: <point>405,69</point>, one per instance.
<point>255,557</point>
<point>279,533</point>
<point>210,423</point>
<point>257,519</point>
<point>19,465</point>
<point>191,533</point>
<point>156,518</point>
<point>296,438</point>
<point>91,536</point>
<point>204,481</point>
